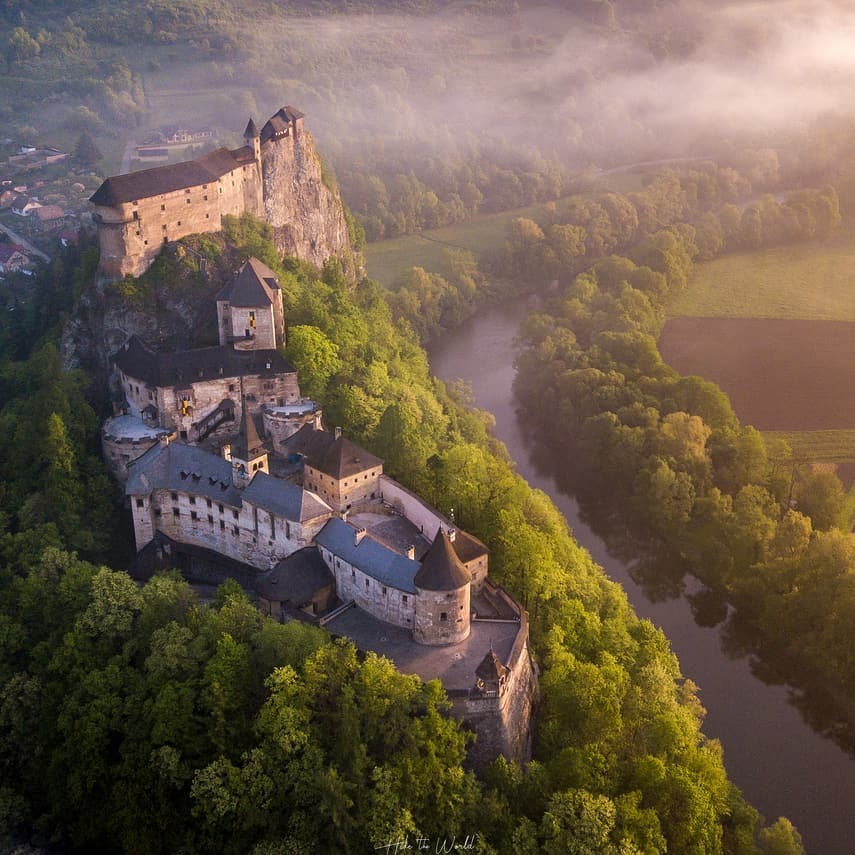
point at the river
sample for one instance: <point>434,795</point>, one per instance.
<point>782,766</point>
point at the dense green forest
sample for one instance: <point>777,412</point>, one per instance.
<point>138,719</point>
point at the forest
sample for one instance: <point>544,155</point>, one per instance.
<point>139,719</point>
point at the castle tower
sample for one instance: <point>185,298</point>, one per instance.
<point>252,138</point>
<point>248,454</point>
<point>442,595</point>
<point>249,309</point>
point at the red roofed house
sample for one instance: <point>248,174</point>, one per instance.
<point>12,258</point>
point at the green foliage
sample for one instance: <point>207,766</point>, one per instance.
<point>671,454</point>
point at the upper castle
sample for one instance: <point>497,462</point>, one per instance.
<point>276,176</point>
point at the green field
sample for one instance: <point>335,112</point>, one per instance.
<point>828,446</point>
<point>803,281</point>
<point>385,259</point>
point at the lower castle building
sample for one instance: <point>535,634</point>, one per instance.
<point>228,473</point>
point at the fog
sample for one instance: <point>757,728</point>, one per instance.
<point>680,82</point>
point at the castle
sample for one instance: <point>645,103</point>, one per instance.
<point>230,474</point>
<point>276,175</point>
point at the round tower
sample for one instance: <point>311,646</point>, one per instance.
<point>442,595</point>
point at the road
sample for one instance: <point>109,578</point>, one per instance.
<point>24,243</point>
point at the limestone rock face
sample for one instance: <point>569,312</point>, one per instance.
<point>104,319</point>
<point>306,215</point>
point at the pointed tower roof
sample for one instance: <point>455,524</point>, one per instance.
<point>491,667</point>
<point>255,284</point>
<point>249,444</point>
<point>251,129</point>
<point>441,569</point>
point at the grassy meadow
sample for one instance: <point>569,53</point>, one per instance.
<point>802,281</point>
<point>386,259</point>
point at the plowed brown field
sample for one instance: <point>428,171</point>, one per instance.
<point>779,374</point>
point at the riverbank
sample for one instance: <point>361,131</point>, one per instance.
<point>771,753</point>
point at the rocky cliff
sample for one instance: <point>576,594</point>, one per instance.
<point>303,206</point>
<point>170,307</point>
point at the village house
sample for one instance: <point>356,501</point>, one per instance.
<point>13,258</point>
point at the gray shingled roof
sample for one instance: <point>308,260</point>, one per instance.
<point>248,444</point>
<point>254,284</point>
<point>369,556</point>
<point>183,367</point>
<point>166,179</point>
<point>251,129</point>
<point>491,667</point>
<point>296,579</point>
<point>441,569</point>
<point>280,121</point>
<point>176,466</point>
<point>284,499</point>
<point>192,470</point>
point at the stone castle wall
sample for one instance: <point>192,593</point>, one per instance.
<point>503,724</point>
<point>383,601</point>
<point>132,233</point>
<point>285,187</point>
<point>248,534</point>
<point>204,396</point>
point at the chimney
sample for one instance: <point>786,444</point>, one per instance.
<point>358,534</point>
<point>411,552</point>
<point>338,433</point>
<point>451,534</point>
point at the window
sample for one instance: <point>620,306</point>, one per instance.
<point>192,500</point>
<point>136,216</point>
<point>165,239</point>
<point>175,497</point>
<point>187,190</point>
<point>352,571</point>
<point>231,387</point>
<point>163,227</point>
<point>176,512</point>
<point>183,434</point>
<point>405,599</point>
<point>140,503</point>
<point>235,530</point>
<point>163,207</point>
<point>235,514</point>
<point>367,583</point>
<point>443,615</point>
<point>384,590</point>
<point>179,222</point>
<point>188,201</point>
<point>222,526</point>
<point>210,519</point>
<point>208,502</point>
<point>145,243</point>
<point>221,508</point>
<point>194,516</point>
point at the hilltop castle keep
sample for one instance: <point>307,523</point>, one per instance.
<point>275,175</point>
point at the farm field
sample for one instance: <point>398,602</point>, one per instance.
<point>803,281</point>
<point>780,375</point>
